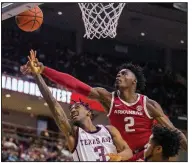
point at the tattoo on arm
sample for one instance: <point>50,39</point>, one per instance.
<point>55,108</point>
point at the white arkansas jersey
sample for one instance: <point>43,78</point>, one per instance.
<point>93,146</point>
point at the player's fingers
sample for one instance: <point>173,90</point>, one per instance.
<point>32,54</point>
<point>109,154</point>
<point>27,64</point>
<point>31,51</point>
<point>21,69</point>
<point>27,71</point>
<point>35,54</point>
<point>36,60</point>
<point>29,58</point>
<point>24,67</point>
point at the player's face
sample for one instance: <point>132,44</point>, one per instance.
<point>125,79</point>
<point>78,113</point>
<point>151,150</point>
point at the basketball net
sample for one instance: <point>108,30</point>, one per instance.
<point>101,19</point>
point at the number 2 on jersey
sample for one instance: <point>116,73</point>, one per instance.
<point>129,123</point>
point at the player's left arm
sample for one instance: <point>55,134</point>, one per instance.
<point>155,111</point>
<point>123,149</point>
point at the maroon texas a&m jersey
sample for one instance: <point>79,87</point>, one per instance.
<point>132,120</point>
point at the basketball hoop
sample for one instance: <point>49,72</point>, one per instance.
<point>101,19</point>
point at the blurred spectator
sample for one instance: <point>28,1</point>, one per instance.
<point>10,144</point>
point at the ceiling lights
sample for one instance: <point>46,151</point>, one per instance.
<point>29,108</point>
<point>60,13</point>
<point>142,34</point>
<point>7,95</point>
<point>182,42</point>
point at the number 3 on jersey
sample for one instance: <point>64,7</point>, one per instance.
<point>101,152</point>
<point>129,123</point>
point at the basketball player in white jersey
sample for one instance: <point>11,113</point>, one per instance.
<point>86,141</point>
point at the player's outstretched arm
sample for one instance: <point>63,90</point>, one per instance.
<point>123,149</point>
<point>71,82</point>
<point>55,108</point>
<point>156,112</point>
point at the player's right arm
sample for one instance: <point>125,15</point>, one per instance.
<point>55,108</point>
<point>70,82</point>
<point>123,149</point>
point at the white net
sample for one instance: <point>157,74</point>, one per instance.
<point>101,19</point>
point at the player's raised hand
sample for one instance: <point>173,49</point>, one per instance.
<point>25,69</point>
<point>35,60</point>
<point>35,66</point>
<point>114,157</point>
<point>32,64</point>
<point>33,54</point>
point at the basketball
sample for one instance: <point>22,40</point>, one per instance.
<point>30,20</point>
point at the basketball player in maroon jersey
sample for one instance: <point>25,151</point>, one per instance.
<point>132,113</point>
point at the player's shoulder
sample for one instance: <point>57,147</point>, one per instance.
<point>149,100</point>
<point>142,95</point>
<point>153,108</point>
<point>75,130</point>
<point>105,126</point>
<point>109,126</point>
<point>112,129</point>
<point>152,102</point>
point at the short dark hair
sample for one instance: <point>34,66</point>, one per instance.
<point>86,105</point>
<point>168,139</point>
<point>138,72</point>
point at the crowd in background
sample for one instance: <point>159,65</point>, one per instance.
<point>26,145</point>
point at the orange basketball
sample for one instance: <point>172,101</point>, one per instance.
<point>30,20</point>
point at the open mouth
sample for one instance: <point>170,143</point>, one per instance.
<point>74,115</point>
